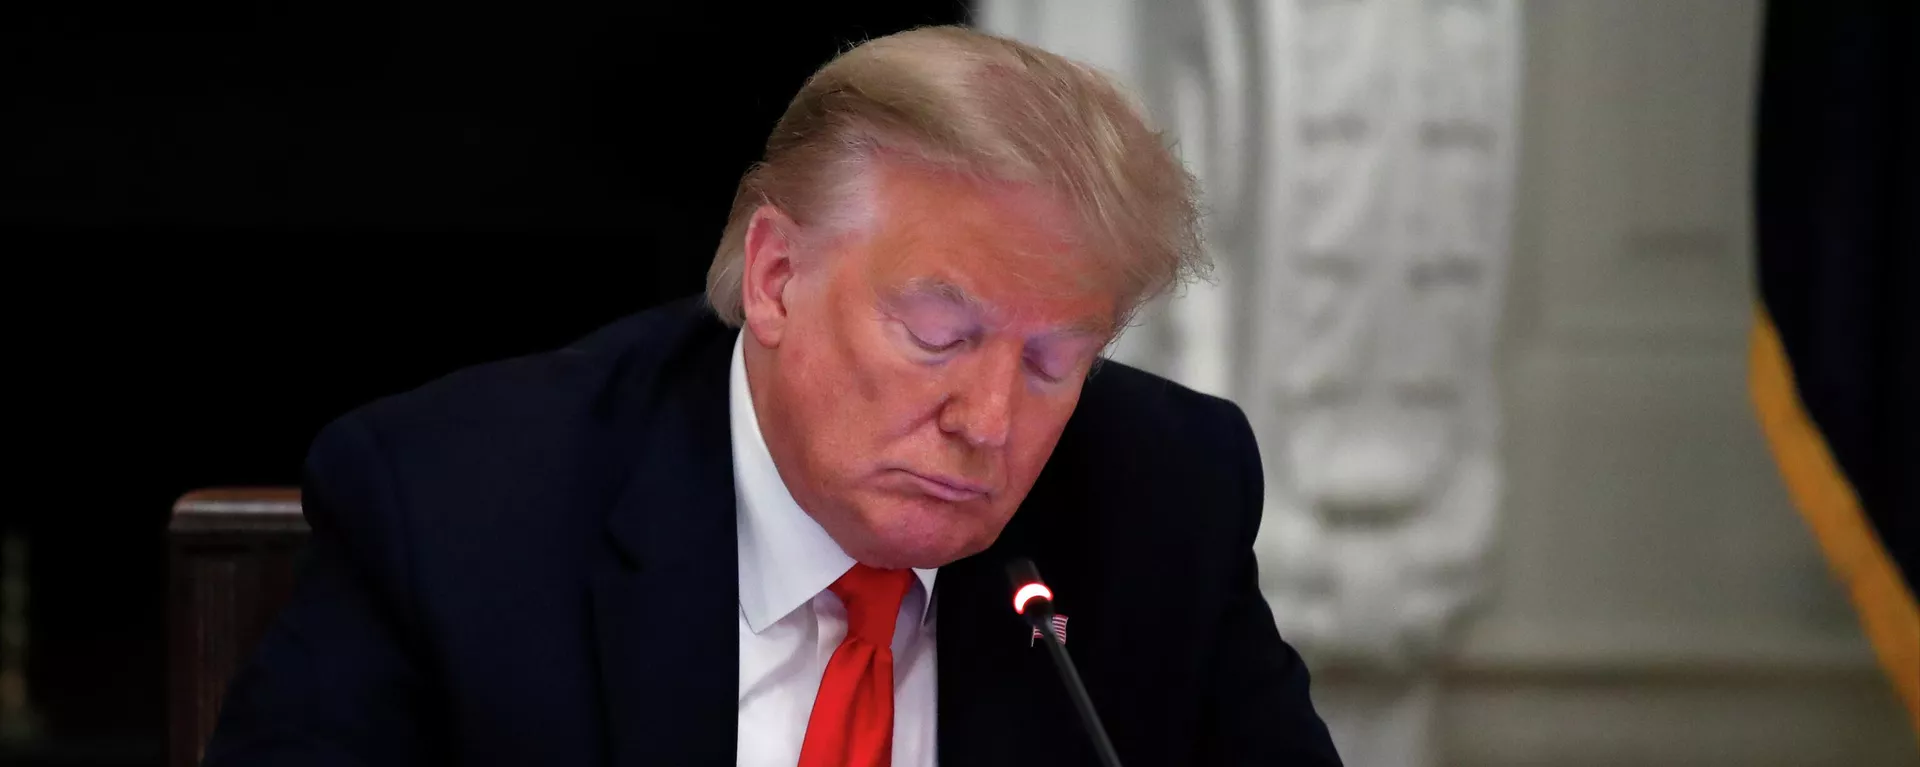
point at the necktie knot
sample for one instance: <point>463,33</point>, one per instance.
<point>872,597</point>
<point>852,720</point>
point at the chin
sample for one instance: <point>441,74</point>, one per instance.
<point>923,533</point>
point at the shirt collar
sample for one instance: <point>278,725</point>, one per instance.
<point>785,557</point>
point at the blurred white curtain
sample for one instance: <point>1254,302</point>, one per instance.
<point>1357,158</point>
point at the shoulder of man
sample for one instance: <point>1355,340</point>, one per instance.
<point>552,430</point>
<point>1168,457</point>
<point>589,379</point>
<point>1125,408</point>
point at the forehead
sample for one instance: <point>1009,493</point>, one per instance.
<point>993,247</point>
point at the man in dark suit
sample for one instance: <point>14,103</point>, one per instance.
<point>769,526</point>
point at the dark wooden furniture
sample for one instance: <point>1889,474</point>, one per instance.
<point>230,566</point>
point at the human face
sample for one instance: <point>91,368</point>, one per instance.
<point>912,377</point>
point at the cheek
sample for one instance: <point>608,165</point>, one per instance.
<point>902,392</point>
<point>868,394</point>
<point>1030,453</point>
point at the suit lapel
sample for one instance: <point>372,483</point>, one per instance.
<point>983,709</point>
<point>666,605</point>
<point>1000,699</point>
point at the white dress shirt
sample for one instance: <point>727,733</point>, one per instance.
<point>790,623</point>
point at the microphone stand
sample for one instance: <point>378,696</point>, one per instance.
<point>1069,676</point>
<point>1038,610</point>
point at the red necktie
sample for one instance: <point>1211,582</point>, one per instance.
<point>852,720</point>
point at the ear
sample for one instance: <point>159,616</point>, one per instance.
<point>767,272</point>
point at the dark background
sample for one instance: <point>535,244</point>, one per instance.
<point>231,222</point>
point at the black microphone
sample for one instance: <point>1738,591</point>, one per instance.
<point>1034,601</point>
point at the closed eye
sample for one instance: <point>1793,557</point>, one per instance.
<point>932,346</point>
<point>946,347</point>
<point>1040,371</point>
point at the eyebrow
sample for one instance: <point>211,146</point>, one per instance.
<point>928,287</point>
<point>941,290</point>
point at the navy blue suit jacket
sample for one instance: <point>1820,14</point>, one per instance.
<point>533,562</point>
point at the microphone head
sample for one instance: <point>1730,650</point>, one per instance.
<point>1028,589</point>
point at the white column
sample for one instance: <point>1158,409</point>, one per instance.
<point>1357,160</point>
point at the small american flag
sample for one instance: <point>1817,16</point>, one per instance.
<point>1059,627</point>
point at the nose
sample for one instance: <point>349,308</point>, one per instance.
<point>979,408</point>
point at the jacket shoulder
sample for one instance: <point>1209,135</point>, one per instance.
<point>540,392</point>
<point>525,424</point>
<point>1133,406</point>
<point>1180,464</point>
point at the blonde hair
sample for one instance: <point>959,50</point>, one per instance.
<point>987,107</point>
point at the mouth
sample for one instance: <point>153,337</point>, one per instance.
<point>946,488</point>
